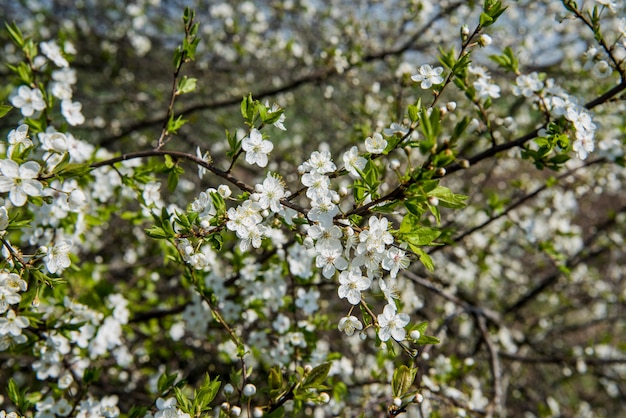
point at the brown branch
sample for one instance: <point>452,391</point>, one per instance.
<point>197,160</point>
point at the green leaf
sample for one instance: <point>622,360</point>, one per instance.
<point>14,392</point>
<point>422,236</point>
<point>507,60</point>
<point>248,109</point>
<point>188,15</point>
<point>316,376</point>
<point>272,117</point>
<point>173,125</point>
<point>182,401</point>
<point>137,411</point>
<point>90,375</point>
<point>275,378</point>
<point>425,259</point>
<point>448,199</point>
<point>277,413</point>
<point>205,395</point>
<point>403,378</point>
<point>428,339</point>
<point>485,19</point>
<point>15,33</point>
<point>186,85</point>
<point>156,232</point>
<point>74,170</point>
<point>413,111</point>
<point>4,109</point>
<point>172,180</point>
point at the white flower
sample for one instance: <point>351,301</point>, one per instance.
<point>76,200</point>
<point>330,260</point>
<point>13,324</point>
<point>352,162</point>
<point>375,144</point>
<point>396,129</point>
<point>256,148</point>
<point>279,123</point>
<point>317,184</point>
<point>65,76</point>
<point>583,146</point>
<point>326,237</point>
<point>13,282</point>
<point>61,87</point>
<point>612,5</point>
<point>28,101</point>
<point>244,217</point>
<point>527,85</point>
<point>351,285</point>
<point>376,237</point>
<point>349,324</point>
<point>57,258</point>
<point>204,157</point>
<point>17,137</point>
<point>428,76</point>
<point>8,297</point>
<point>54,141</point>
<point>320,162</point>
<point>72,112</point>
<point>269,193</point>
<point>323,210</point>
<point>19,181</point>
<point>392,324</point>
<point>51,50</point>
<point>307,300</point>
<point>4,218</point>
<point>62,408</point>
<point>486,89</point>
<point>389,291</point>
<point>395,259</point>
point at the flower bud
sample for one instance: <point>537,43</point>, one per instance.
<point>228,389</point>
<point>464,31</point>
<point>484,40</point>
<point>451,106</point>
<point>397,401</point>
<point>235,411</point>
<point>324,397</point>
<point>415,334</point>
<point>249,390</point>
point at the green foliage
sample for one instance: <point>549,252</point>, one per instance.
<point>19,397</point>
<point>186,85</point>
<point>4,109</point>
<point>492,10</point>
<point>316,377</point>
<point>507,60</point>
<point>403,378</point>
